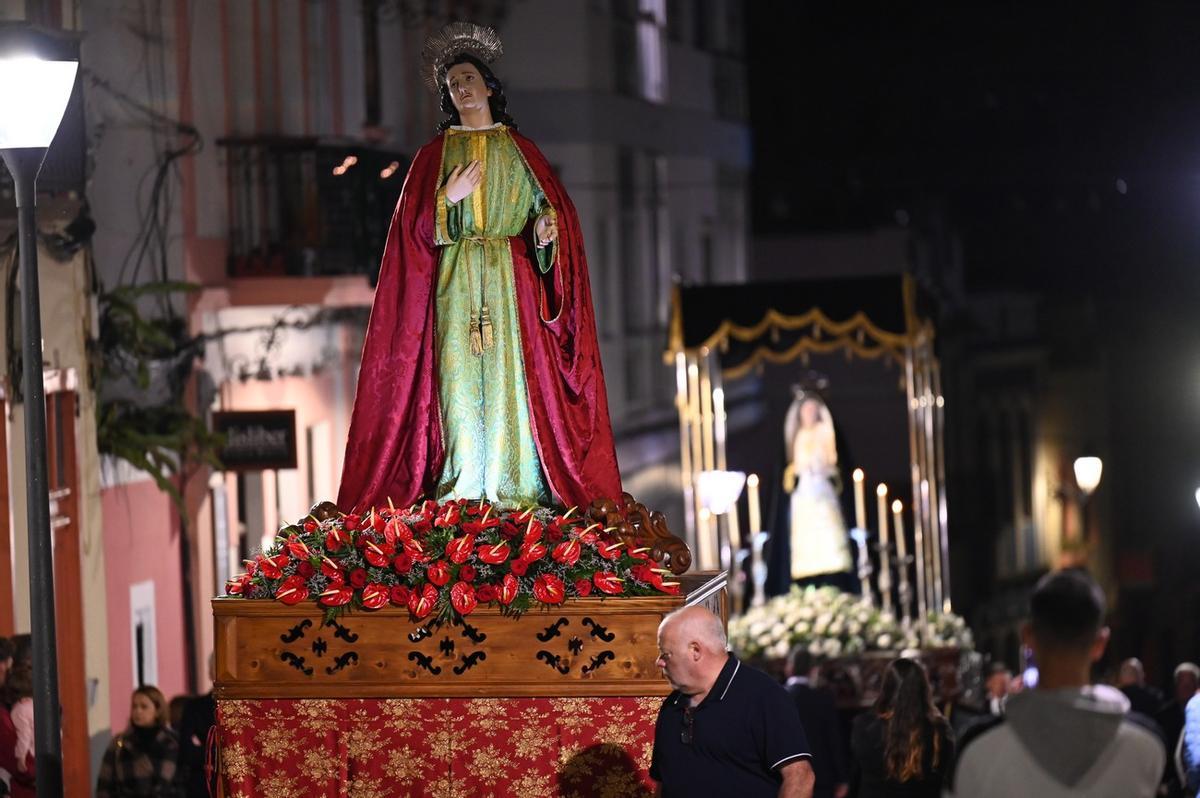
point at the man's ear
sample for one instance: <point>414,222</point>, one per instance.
<point>1099,644</point>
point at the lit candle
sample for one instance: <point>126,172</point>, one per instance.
<point>755,512</point>
<point>902,560</point>
<point>860,501</point>
<point>898,524</point>
<point>885,570</point>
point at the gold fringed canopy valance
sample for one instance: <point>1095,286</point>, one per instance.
<point>721,333</point>
<point>753,323</point>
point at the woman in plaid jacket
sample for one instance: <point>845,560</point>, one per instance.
<point>140,761</point>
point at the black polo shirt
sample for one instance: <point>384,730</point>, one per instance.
<point>744,730</point>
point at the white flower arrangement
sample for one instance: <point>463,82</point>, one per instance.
<point>834,624</point>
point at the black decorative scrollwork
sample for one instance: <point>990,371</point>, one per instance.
<point>447,646</point>
<point>598,661</point>
<point>343,661</point>
<point>469,661</point>
<point>425,662</point>
<point>342,632</point>
<point>296,662</point>
<point>554,661</point>
<point>319,646</point>
<point>576,645</point>
<point>599,631</point>
<point>296,632</point>
<point>553,630</point>
<point>472,634</point>
<point>423,632</point>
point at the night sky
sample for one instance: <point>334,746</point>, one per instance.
<point>1062,145</point>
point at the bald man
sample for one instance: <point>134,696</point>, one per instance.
<point>726,729</point>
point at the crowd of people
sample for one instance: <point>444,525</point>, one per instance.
<point>731,727</point>
<point>160,755</point>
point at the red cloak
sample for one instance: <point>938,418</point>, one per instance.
<point>395,447</point>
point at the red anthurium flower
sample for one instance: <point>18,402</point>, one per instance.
<point>351,522</point>
<point>466,573</point>
<point>377,521</point>
<point>430,508</point>
<point>532,552</point>
<point>336,538</point>
<point>375,596</point>
<point>587,535</point>
<point>305,569</point>
<point>310,526</point>
<point>420,603</point>
<point>402,563</point>
<point>549,589</point>
<point>331,570</point>
<point>493,555</point>
<point>414,549</point>
<point>398,529</point>
<point>439,573</point>
<point>272,567</point>
<point>567,552</point>
<point>641,553</point>
<point>451,516</point>
<point>518,567</point>
<point>399,595</point>
<point>336,594</point>
<point>533,531</point>
<point>642,573</point>
<point>378,555</point>
<point>462,597</point>
<point>459,549</point>
<point>251,566</point>
<point>507,590</point>
<point>609,551</point>
<point>485,593</point>
<point>358,578</point>
<point>609,583</point>
<point>237,585</point>
<point>583,587</point>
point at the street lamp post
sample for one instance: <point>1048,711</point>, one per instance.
<point>34,91</point>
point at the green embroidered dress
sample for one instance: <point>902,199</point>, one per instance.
<point>490,450</point>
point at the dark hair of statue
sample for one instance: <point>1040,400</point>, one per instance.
<point>906,705</point>
<point>497,102</point>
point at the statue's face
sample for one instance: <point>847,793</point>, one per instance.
<point>467,89</point>
<point>809,413</point>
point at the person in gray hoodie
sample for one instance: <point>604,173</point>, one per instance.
<point>1067,737</point>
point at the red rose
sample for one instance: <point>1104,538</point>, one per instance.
<point>439,573</point>
<point>378,556</point>
<point>402,563</point>
<point>554,533</point>
<point>608,583</point>
<point>533,551</point>
<point>310,526</point>
<point>507,590</point>
<point>462,596</point>
<point>466,573</point>
<point>420,603</point>
<point>567,552</point>
<point>351,522</point>
<point>336,594</point>
<point>549,589</point>
<point>358,578</point>
<point>518,567</point>
<point>375,596</point>
<point>508,529</point>
<point>493,555</point>
<point>485,593</point>
<point>459,549</point>
<point>583,587</point>
<point>305,569</point>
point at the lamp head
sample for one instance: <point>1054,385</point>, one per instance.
<point>1088,471</point>
<point>719,490</point>
<point>37,74</point>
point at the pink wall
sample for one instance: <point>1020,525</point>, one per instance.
<point>141,542</point>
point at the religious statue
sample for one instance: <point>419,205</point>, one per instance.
<point>481,375</point>
<point>819,541</point>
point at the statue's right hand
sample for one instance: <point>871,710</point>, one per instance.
<point>462,182</point>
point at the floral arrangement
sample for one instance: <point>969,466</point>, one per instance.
<point>834,624</point>
<point>447,559</point>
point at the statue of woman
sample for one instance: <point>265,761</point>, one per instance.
<point>819,541</point>
<point>481,373</point>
